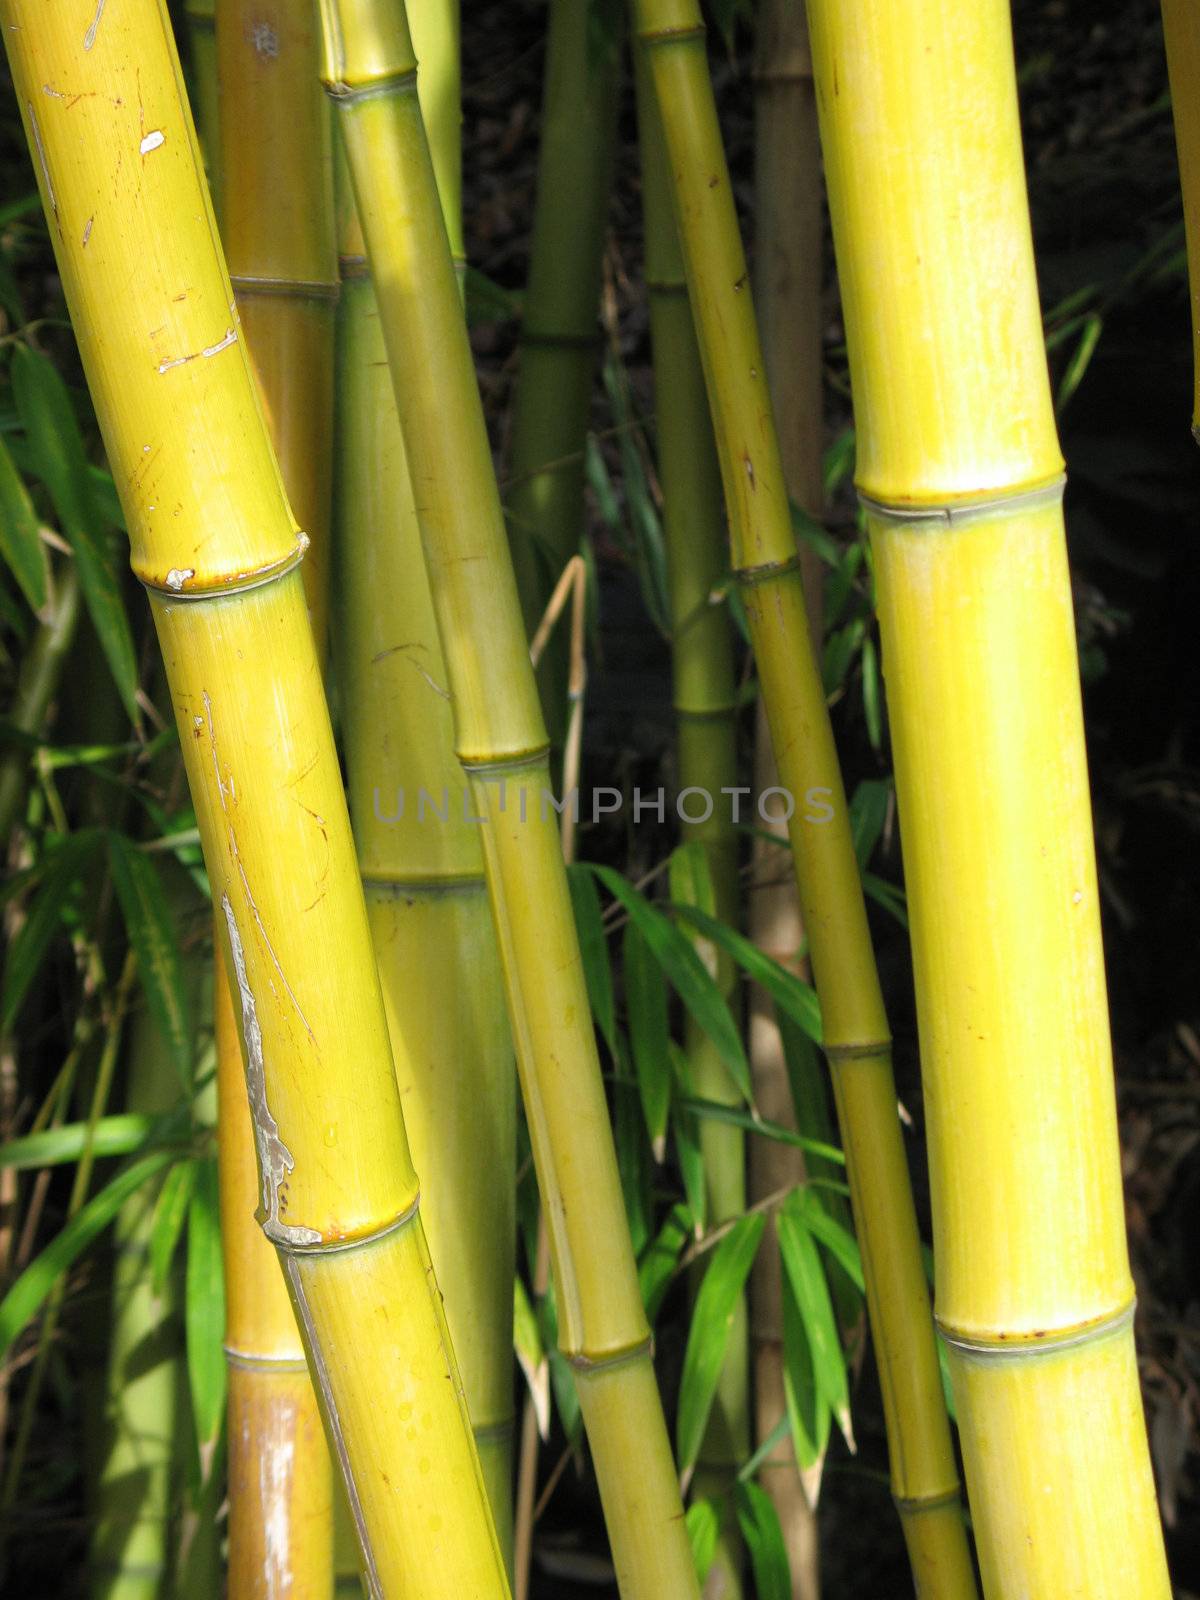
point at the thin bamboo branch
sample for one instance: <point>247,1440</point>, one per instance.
<point>501,743</point>
<point>856,1038</point>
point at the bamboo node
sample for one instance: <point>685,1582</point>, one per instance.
<point>747,577</point>
<point>261,1363</point>
<point>178,581</point>
<point>284,288</point>
<point>676,35</point>
<point>562,340</point>
<point>581,1361</point>
<point>857,1049</point>
<point>956,513</point>
<point>320,1245</point>
<point>914,1505</point>
<point>347,94</point>
<point>1044,1341</point>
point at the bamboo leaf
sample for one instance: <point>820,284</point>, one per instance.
<point>62,869</point>
<point>708,1336</point>
<point>649,1033</point>
<point>20,541</point>
<point>790,993</point>
<point>807,1409</point>
<point>23,1301</point>
<point>703,1524</point>
<point>659,1259</point>
<point>204,1310</point>
<point>886,895</point>
<point>593,948</point>
<point>806,1275</point>
<point>633,1162</point>
<point>687,1140</point>
<point>838,1240</point>
<point>736,1118</point>
<point>868,814</point>
<point>531,1354</point>
<point>111,1136</point>
<point>155,939</point>
<point>170,1214</point>
<point>62,465</point>
<point>759,1522</point>
<point>686,973</point>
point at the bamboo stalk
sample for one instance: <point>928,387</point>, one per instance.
<point>765,561</point>
<point>500,741</point>
<point>215,543</point>
<point>787,297</point>
<point>421,859</point>
<point>202,48</point>
<point>277,227</point>
<point>1181,34</point>
<point>960,473</point>
<point>705,700</point>
<point>560,339</point>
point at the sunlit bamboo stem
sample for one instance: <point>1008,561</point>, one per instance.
<point>856,1036</point>
<point>960,473</point>
<point>787,297</point>
<point>419,852</point>
<point>501,743</point>
<point>215,543</point>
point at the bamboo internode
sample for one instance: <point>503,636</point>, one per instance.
<point>501,742</point>
<point>766,563</point>
<point>214,542</point>
<point>420,855</point>
<point>960,473</point>
<point>277,229</point>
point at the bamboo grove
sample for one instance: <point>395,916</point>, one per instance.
<point>447,1126</point>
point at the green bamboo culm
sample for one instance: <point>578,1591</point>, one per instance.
<point>560,337</point>
<point>856,1038</point>
<point>705,696</point>
<point>501,742</point>
<point>419,854</point>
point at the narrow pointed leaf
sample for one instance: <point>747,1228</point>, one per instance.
<point>531,1354</point>
<point>170,1214</point>
<point>703,1525</point>
<point>20,541</point>
<point>67,863</point>
<point>807,1408</point>
<point>25,1298</point>
<point>790,993</point>
<point>805,1274</point>
<point>111,1136</point>
<point>686,974</point>
<point>708,1337</point>
<point>649,1033</point>
<point>759,1522</point>
<point>62,465</point>
<point>154,937</point>
<point>660,1258</point>
<point>687,1141</point>
<point>204,1308</point>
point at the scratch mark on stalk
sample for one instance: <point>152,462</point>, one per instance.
<point>275,1160</point>
<point>257,915</point>
<point>41,150</point>
<point>89,37</point>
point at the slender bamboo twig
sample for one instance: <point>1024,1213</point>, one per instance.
<point>560,339</point>
<point>215,543</point>
<point>1181,33</point>
<point>572,585</point>
<point>705,697</point>
<point>277,227</point>
<point>787,297</point>
<point>856,1036</point>
<point>419,851</point>
<point>40,675</point>
<point>959,471</point>
<point>501,743</point>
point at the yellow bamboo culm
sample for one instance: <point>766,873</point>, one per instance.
<point>419,852</point>
<point>1181,32</point>
<point>277,228</point>
<point>856,1038</point>
<point>214,542</point>
<point>960,473</point>
<point>501,742</point>
<point>789,238</point>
